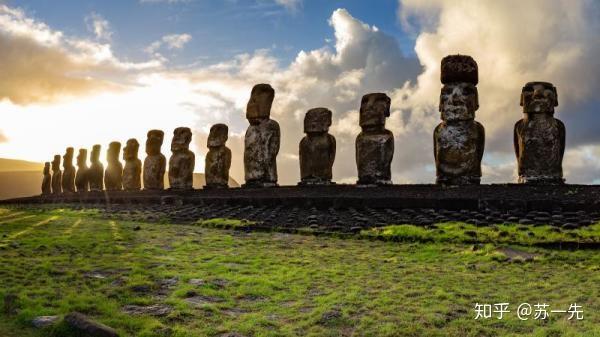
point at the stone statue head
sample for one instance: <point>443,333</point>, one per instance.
<point>82,158</point>
<point>56,163</point>
<point>130,151</point>
<point>218,135</point>
<point>112,154</point>
<point>539,97</point>
<point>182,137</point>
<point>317,120</point>
<point>95,155</point>
<point>68,158</point>
<point>459,98</point>
<point>46,168</point>
<point>374,108</point>
<point>259,105</point>
<point>154,142</point>
<point>459,101</point>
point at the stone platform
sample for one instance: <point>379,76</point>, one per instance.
<point>348,208</point>
<point>500,197</point>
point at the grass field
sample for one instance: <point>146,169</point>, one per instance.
<point>215,281</point>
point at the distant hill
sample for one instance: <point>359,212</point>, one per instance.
<point>19,178</point>
<point>11,165</point>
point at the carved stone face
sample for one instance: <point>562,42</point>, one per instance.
<point>154,142</point>
<point>181,139</point>
<point>317,120</point>
<point>68,157</point>
<point>374,108</point>
<point>95,155</point>
<point>82,158</point>
<point>218,135</point>
<point>539,97</point>
<point>458,101</point>
<point>259,105</point>
<point>112,155</point>
<point>56,163</point>
<point>47,168</point>
<point>130,151</point>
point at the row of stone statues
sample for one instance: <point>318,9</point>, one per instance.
<point>129,177</point>
<point>459,140</point>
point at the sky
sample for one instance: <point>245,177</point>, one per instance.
<point>78,73</point>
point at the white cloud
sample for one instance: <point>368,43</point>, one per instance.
<point>291,5</point>
<point>41,65</point>
<point>99,26</point>
<point>171,42</point>
<point>176,41</point>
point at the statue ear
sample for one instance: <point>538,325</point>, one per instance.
<point>476,99</point>
<point>555,96</point>
<point>440,105</point>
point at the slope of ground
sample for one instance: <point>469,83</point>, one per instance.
<point>210,282</point>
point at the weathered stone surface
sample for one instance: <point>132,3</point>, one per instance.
<point>96,171</point>
<point>317,148</point>
<point>218,158</point>
<point>56,175</point>
<point>132,173</point>
<point>262,140</point>
<point>113,176</point>
<point>47,181</point>
<point>182,161</point>
<point>459,140</point>
<point>375,144</point>
<point>68,177</point>
<point>155,163</point>
<point>44,321</point>
<point>539,138</point>
<point>85,326</point>
<point>158,310</point>
<point>81,178</point>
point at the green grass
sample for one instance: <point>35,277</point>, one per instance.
<point>273,284</point>
<point>225,223</point>
<point>459,232</point>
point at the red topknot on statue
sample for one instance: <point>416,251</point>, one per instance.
<point>459,68</point>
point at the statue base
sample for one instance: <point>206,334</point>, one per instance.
<point>259,184</point>
<point>454,181</point>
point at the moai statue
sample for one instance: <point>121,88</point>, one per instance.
<point>317,148</point>
<point>375,144</point>
<point>56,175</point>
<point>95,173</point>
<point>132,179</point>
<point>113,176</point>
<point>218,158</point>
<point>539,138</point>
<point>68,176</point>
<point>155,163</point>
<point>47,182</point>
<point>81,178</point>
<point>182,161</point>
<point>261,143</point>
<point>458,140</point>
